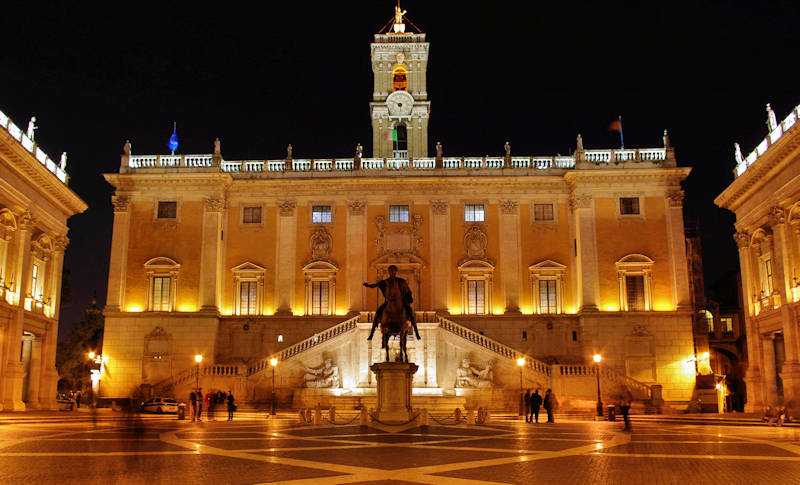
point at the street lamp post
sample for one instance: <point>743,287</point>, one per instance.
<point>274,363</point>
<point>197,358</point>
<point>597,358</point>
<point>520,363</point>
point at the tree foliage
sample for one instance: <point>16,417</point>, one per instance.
<point>71,356</point>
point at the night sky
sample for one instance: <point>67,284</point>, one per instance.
<point>533,73</point>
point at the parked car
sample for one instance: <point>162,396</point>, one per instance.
<point>160,405</point>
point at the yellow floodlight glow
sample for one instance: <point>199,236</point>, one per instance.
<point>273,362</point>
<point>597,358</point>
<point>521,361</point>
<point>198,358</point>
<point>91,355</point>
<point>133,308</point>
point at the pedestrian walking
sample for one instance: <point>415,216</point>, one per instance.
<point>207,403</point>
<point>193,405</point>
<point>527,406</point>
<point>231,406</point>
<point>625,407</point>
<point>199,404</point>
<point>536,403</point>
<point>550,405</point>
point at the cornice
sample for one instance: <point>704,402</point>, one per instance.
<point>130,182</point>
<point>657,176</point>
<point>41,179</point>
<point>755,177</point>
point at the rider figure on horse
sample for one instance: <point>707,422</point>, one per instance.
<point>389,286</point>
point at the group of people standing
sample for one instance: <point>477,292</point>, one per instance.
<point>211,400</point>
<point>535,401</point>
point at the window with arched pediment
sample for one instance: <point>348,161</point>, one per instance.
<point>547,287</point>
<point>162,279</point>
<point>248,288</point>
<point>635,276</point>
<point>476,286</point>
<point>320,287</point>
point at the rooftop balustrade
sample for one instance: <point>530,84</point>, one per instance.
<point>32,147</point>
<point>377,166</point>
<point>775,134</point>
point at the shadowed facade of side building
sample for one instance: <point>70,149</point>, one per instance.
<point>765,196</point>
<point>35,203</point>
<point>549,258</point>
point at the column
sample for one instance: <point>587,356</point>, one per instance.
<point>34,373</point>
<point>510,249</point>
<point>210,248</point>
<point>48,383</point>
<point>781,255</point>
<point>355,263</point>
<point>586,241</point>
<point>770,375</point>
<point>13,372</point>
<point>440,255</point>
<point>676,242</point>
<point>285,265</point>
<point>753,375</point>
<point>118,263</point>
<point>56,269</point>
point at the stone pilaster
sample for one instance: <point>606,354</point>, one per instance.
<point>118,262</point>
<point>286,270</point>
<point>210,253</point>
<point>676,243</point>
<point>440,255</point>
<point>356,249</point>
<point>11,391</point>
<point>753,376</point>
<point>770,372</point>
<point>510,256</point>
<point>586,242</point>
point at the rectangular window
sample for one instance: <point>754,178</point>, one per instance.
<point>547,296</point>
<point>542,212</point>
<point>248,297</point>
<point>476,297</point>
<point>635,289</point>
<point>768,276</point>
<point>709,321</point>
<point>161,289</point>
<point>34,280</point>
<point>167,210</point>
<point>319,298</point>
<point>473,213</point>
<point>321,214</point>
<point>398,213</point>
<point>251,215</point>
<point>629,205</point>
<point>727,324</point>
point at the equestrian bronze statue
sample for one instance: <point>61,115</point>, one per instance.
<point>395,315</point>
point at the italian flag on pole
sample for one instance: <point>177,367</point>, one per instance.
<point>390,134</point>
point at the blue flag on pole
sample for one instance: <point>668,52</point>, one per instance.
<point>172,144</point>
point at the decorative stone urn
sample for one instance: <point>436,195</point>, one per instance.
<point>394,391</point>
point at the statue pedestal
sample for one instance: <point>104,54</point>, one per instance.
<point>394,390</point>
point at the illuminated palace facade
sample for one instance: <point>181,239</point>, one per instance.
<point>35,204</point>
<point>765,196</point>
<point>551,258</point>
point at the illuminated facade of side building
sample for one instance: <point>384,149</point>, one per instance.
<point>35,204</point>
<point>765,196</point>
<point>554,258</point>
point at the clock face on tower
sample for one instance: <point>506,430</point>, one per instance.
<point>400,103</point>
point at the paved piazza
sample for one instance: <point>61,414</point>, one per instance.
<point>107,449</point>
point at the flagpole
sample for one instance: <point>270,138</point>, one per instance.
<point>621,139</point>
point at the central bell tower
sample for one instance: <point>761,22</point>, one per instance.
<point>400,106</point>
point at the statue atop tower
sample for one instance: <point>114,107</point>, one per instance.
<point>399,26</point>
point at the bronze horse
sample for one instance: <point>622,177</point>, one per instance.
<point>395,321</point>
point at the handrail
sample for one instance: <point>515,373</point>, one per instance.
<point>493,345</point>
<point>577,370</point>
<point>306,344</point>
